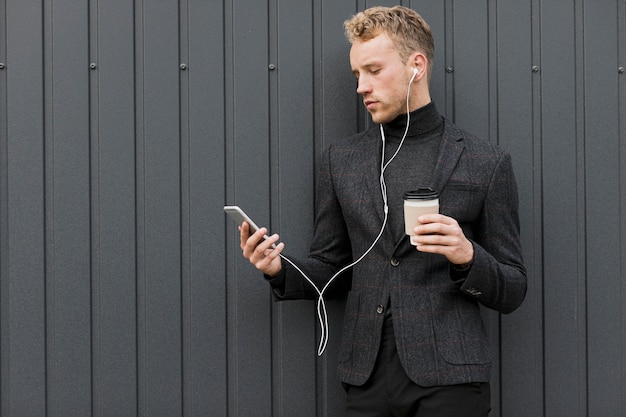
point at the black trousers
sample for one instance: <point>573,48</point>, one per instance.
<point>390,393</point>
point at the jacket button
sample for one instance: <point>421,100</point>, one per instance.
<point>380,309</point>
<point>474,292</point>
<point>395,262</point>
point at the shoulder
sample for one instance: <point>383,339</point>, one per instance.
<point>360,139</point>
<point>355,147</point>
<point>474,145</point>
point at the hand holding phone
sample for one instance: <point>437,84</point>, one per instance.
<point>239,216</point>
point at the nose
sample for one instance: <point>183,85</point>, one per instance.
<point>363,87</point>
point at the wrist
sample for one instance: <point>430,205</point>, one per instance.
<point>462,267</point>
<point>465,266</point>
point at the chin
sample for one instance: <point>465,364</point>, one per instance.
<point>381,119</point>
<point>378,118</point>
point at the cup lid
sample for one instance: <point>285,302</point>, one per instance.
<point>425,193</point>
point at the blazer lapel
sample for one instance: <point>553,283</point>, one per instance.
<point>372,153</point>
<point>450,150</point>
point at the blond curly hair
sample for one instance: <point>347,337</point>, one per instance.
<point>408,31</point>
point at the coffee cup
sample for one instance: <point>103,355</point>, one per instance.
<point>417,203</point>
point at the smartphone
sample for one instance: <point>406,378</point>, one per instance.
<point>239,216</point>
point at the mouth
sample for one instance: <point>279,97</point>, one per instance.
<point>370,104</point>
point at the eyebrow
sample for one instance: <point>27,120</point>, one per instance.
<point>369,65</point>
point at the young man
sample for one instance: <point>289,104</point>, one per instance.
<point>413,340</point>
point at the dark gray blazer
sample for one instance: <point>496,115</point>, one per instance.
<point>439,331</point>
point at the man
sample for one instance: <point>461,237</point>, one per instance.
<point>413,340</point>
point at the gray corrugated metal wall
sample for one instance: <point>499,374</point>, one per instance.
<point>126,126</point>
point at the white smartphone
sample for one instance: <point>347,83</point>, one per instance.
<point>239,216</point>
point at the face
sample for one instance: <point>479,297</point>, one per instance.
<point>382,77</point>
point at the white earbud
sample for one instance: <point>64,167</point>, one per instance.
<point>416,71</point>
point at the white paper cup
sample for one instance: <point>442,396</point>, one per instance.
<point>417,203</point>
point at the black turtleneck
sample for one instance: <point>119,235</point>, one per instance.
<point>413,167</point>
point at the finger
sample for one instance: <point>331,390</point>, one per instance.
<point>253,241</point>
<point>433,218</point>
<point>438,224</point>
<point>265,256</point>
<point>433,240</point>
<point>244,234</point>
<point>266,244</point>
<point>424,229</point>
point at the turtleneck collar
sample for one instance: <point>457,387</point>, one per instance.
<point>422,121</point>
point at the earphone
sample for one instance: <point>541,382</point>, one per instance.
<point>322,313</point>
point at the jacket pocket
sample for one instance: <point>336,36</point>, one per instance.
<point>462,202</point>
<point>349,326</point>
<point>460,335</point>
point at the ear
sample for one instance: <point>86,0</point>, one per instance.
<point>418,60</point>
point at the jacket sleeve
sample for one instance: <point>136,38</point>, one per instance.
<point>497,277</point>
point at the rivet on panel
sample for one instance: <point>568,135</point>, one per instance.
<point>534,68</point>
<point>620,70</point>
<point>449,69</point>
<point>92,65</point>
<point>272,67</point>
<point>183,67</point>
<point>2,65</point>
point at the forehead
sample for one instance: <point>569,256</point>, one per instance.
<point>368,52</point>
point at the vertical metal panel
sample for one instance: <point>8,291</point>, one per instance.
<point>4,221</point>
<point>68,286</point>
<point>23,258</point>
<point>247,170</point>
<point>340,106</point>
<point>621,87</point>
<point>205,300</point>
<point>563,221</point>
<point>602,206</point>
<point>185,219</point>
<point>113,204</point>
<point>292,161</point>
<point>159,285</point>
<point>471,66</point>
